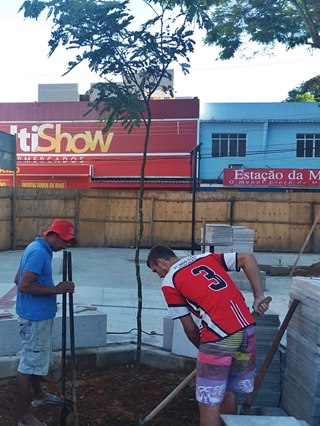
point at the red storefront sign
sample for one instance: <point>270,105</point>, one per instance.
<point>79,141</point>
<point>55,140</point>
<point>298,178</point>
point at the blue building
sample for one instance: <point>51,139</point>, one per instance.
<point>247,145</point>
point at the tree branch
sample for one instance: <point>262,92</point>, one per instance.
<point>307,19</point>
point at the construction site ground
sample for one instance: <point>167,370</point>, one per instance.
<point>106,278</point>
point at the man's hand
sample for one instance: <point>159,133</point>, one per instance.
<point>261,304</point>
<point>64,287</point>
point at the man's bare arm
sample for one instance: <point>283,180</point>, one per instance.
<point>250,266</point>
<point>191,329</point>
<point>29,285</point>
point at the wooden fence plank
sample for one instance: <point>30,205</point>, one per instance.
<point>281,221</point>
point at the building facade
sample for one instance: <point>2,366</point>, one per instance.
<point>58,146</point>
<point>244,146</point>
<point>260,145</point>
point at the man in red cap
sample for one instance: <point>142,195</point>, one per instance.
<point>36,307</point>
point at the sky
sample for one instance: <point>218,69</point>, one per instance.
<point>263,78</point>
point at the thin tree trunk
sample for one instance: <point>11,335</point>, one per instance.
<point>138,274</point>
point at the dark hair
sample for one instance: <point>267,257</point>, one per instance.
<point>159,252</point>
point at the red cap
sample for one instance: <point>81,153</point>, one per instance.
<point>64,229</point>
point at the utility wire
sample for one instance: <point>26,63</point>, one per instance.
<point>152,333</point>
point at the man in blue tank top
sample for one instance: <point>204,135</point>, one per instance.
<point>36,307</point>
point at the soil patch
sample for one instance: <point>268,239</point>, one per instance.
<point>107,398</point>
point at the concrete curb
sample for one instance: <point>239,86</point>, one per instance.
<point>110,355</point>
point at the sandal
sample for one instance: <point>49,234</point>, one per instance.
<point>49,399</point>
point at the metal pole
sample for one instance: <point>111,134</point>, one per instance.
<point>14,200</point>
<point>231,212</point>
<point>194,158</point>
<point>14,213</point>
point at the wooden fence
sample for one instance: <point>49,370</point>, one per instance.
<point>110,218</point>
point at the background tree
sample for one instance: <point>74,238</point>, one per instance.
<point>302,97</point>
<point>234,23</point>
<point>105,35</point>
<point>308,91</point>
<point>291,22</point>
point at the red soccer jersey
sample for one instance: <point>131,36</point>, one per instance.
<point>201,285</point>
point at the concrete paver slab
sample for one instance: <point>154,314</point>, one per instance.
<point>260,421</point>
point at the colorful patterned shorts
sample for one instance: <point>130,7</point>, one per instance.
<point>227,365</point>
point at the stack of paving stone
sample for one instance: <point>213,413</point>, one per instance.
<point>301,385</point>
<point>242,239</point>
<point>219,238</point>
<point>222,238</point>
<point>269,393</point>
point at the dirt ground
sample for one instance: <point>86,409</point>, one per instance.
<point>107,398</point>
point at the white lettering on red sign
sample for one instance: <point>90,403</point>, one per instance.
<point>272,177</point>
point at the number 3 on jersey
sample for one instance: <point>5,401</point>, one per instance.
<point>217,282</point>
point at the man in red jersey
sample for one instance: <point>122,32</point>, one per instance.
<point>200,284</point>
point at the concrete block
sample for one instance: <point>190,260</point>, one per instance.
<point>10,339</point>
<point>116,355</point>
<point>8,366</point>
<point>181,345</point>
<point>230,420</point>
<point>166,360</point>
<point>241,281</point>
<point>279,270</point>
<point>57,262</point>
<point>175,339</point>
<point>167,333</point>
<point>85,358</point>
<point>90,331</point>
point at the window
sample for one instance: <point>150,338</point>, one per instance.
<point>308,145</point>
<point>229,144</point>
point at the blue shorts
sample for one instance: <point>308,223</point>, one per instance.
<point>226,365</point>
<point>36,346</point>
